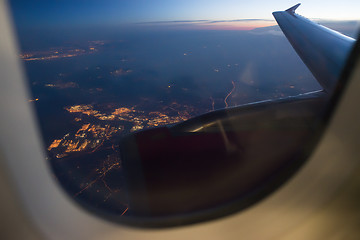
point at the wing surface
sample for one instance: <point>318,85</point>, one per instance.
<point>324,51</point>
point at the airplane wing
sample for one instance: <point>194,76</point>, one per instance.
<point>324,51</point>
<point>226,160</point>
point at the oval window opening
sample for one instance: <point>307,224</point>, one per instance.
<point>159,117</point>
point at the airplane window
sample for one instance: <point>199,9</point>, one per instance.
<point>161,113</point>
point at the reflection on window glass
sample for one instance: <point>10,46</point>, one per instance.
<point>99,70</point>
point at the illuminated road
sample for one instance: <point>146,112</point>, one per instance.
<point>101,175</point>
<point>232,90</point>
<point>212,103</point>
<point>124,211</point>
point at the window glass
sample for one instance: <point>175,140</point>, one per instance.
<point>100,70</point>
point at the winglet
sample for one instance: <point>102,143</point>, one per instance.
<point>293,8</point>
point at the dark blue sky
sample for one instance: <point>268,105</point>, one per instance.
<point>111,12</point>
<point>118,12</point>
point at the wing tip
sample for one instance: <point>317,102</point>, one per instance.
<point>293,8</point>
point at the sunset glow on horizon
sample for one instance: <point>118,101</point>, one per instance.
<point>239,25</point>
